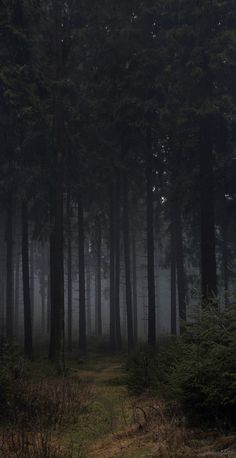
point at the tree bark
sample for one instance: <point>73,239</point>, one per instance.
<point>173,273</point>
<point>28,346</point>
<point>9,270</point>
<point>69,274</point>
<point>88,291</point>
<point>180,263</point>
<point>208,255</point>
<point>117,264</point>
<point>134,277</point>
<point>150,253</point>
<point>32,281</point>
<point>128,288</point>
<point>98,280</point>
<point>82,304</point>
<point>42,289</point>
<point>17,294</point>
<point>56,351</point>
<point>112,271</point>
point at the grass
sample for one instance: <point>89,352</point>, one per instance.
<point>89,413</point>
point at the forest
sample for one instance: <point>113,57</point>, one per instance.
<point>117,228</point>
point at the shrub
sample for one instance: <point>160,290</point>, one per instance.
<point>198,369</point>
<point>12,374</point>
<point>22,444</point>
<point>204,378</point>
<point>149,368</point>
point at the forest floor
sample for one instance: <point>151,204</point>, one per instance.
<point>101,419</point>
<point>118,425</point>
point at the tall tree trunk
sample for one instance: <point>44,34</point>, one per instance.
<point>98,281</point>
<point>225,251</point>
<point>26,283</point>
<point>128,288</point>
<point>134,277</point>
<point>42,289</point>
<point>2,288</point>
<point>56,351</point>
<point>88,291</point>
<point>17,293</point>
<point>32,281</point>
<point>150,253</point>
<point>112,271</point>
<point>48,298</point>
<point>57,288</point>
<point>69,273</point>
<point>225,264</point>
<point>82,304</point>
<point>180,263</point>
<point>173,272</point>
<point>9,270</point>
<point>208,255</point>
<point>117,264</point>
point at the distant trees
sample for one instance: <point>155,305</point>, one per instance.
<point>101,104</point>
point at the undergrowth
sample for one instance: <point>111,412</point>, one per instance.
<point>197,370</point>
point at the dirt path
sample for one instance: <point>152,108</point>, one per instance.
<point>109,427</point>
<point>116,425</point>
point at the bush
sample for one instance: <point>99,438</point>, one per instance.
<point>149,368</point>
<point>12,375</point>
<point>23,444</point>
<point>198,369</point>
<point>204,378</point>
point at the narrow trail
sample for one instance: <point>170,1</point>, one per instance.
<point>116,425</point>
<point>109,427</point>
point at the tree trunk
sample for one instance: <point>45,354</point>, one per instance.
<point>150,254</point>
<point>32,281</point>
<point>98,280</point>
<point>112,271</point>
<point>135,295</point>
<point>117,264</point>
<point>17,293</point>
<point>26,283</point>
<point>9,271</point>
<point>82,304</point>
<point>42,289</point>
<point>173,272</point>
<point>48,298</point>
<point>2,289</point>
<point>88,290</point>
<point>69,273</point>
<point>128,288</point>
<point>208,255</point>
<point>225,252</point>
<point>180,263</point>
<point>56,351</point>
